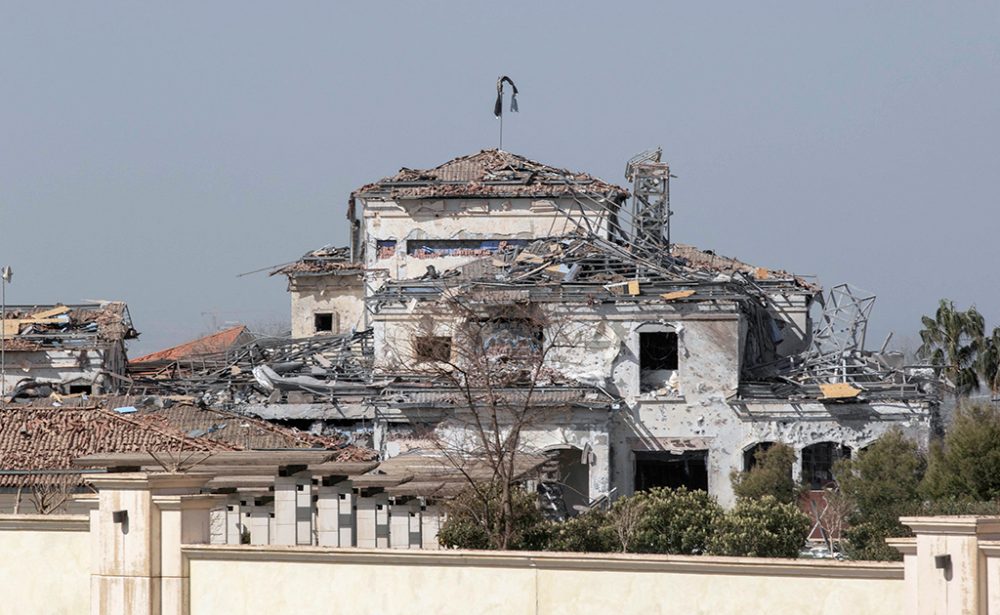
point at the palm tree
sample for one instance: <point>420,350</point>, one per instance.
<point>988,362</point>
<point>952,340</point>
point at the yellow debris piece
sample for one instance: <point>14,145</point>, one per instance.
<point>677,294</point>
<point>840,390</point>
<point>633,287</point>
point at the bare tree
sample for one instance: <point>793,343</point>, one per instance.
<point>49,498</point>
<point>625,517</point>
<point>490,351</point>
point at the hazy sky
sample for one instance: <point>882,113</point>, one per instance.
<point>152,153</point>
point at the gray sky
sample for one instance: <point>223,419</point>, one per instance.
<point>152,153</point>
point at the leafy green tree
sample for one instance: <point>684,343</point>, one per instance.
<point>966,465</point>
<point>951,340</point>
<point>771,475</point>
<point>882,483</point>
<point>883,480</point>
<point>675,521</point>
<point>761,527</point>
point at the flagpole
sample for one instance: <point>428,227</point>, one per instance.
<point>501,131</point>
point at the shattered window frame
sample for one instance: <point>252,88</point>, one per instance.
<point>432,348</point>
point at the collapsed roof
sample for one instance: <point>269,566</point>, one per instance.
<point>87,325</point>
<point>491,173</point>
<point>323,261</point>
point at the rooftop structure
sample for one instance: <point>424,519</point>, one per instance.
<point>66,349</point>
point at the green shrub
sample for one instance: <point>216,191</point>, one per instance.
<point>771,475</point>
<point>675,521</point>
<point>865,540</point>
<point>475,521</point>
<point>966,465</point>
<point>761,527</point>
<point>590,532</point>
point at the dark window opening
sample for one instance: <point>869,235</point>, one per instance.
<point>433,348</point>
<point>818,461</point>
<point>657,350</point>
<point>750,455</point>
<point>323,322</point>
<point>663,469</point>
<point>657,359</point>
<point>76,389</point>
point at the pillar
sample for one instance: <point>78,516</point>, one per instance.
<point>373,521</point>
<point>945,568</point>
<point>404,525</point>
<point>335,513</point>
<point>136,535</point>
<point>430,525</point>
<point>293,509</point>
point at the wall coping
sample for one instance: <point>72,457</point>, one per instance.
<point>962,525</point>
<point>990,548</point>
<point>552,561</point>
<point>147,480</point>
<point>906,546</point>
<point>45,523</point>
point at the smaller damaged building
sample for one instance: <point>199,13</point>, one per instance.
<point>65,349</point>
<point>327,292</point>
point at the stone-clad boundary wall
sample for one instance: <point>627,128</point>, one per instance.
<point>293,580</point>
<point>45,564</point>
<point>143,550</point>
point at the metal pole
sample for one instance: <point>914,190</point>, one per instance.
<point>3,342</point>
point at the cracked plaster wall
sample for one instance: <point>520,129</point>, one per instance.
<point>464,219</point>
<point>340,295</point>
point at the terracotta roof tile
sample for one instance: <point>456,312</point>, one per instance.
<point>489,174</point>
<point>215,343</point>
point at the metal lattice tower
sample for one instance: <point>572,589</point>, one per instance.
<point>650,199</point>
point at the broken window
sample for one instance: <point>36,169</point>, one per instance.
<point>77,389</point>
<point>323,322</point>
<point>666,469</point>
<point>511,337</point>
<point>657,358</point>
<point>432,348</point>
<point>750,455</point>
<point>435,248</point>
<point>818,461</point>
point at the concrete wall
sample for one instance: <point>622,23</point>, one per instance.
<point>276,580</point>
<point>83,366</point>
<point>340,295</point>
<point>46,564</point>
<point>696,410</point>
<point>461,219</point>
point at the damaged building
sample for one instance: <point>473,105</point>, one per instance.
<point>653,363</point>
<point>65,349</point>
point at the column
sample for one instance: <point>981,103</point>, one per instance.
<point>335,513</point>
<point>945,570</point>
<point>136,532</point>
